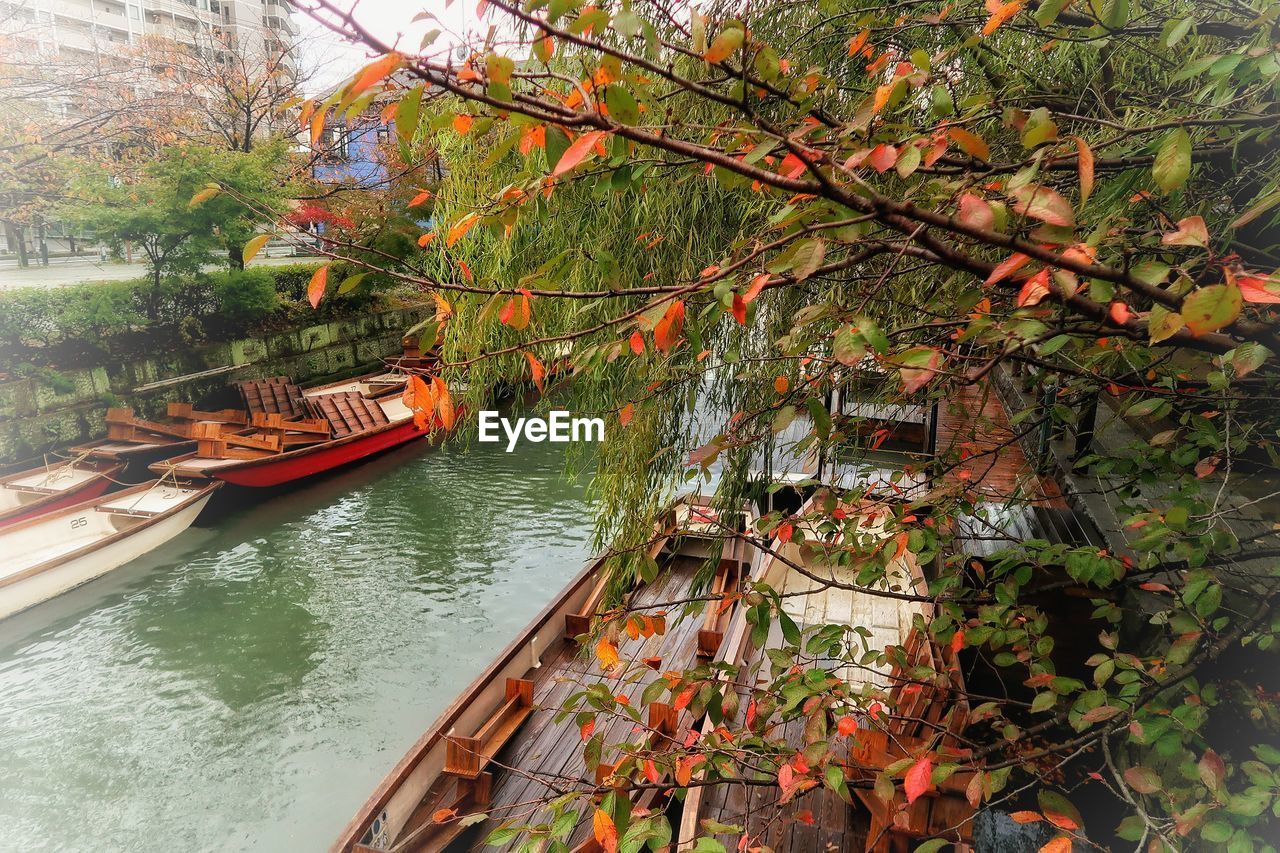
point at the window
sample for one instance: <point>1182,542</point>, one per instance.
<point>383,134</point>
<point>337,141</point>
<point>135,12</point>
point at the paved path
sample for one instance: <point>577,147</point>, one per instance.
<point>64,271</point>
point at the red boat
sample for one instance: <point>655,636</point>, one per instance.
<point>40,490</point>
<point>357,419</point>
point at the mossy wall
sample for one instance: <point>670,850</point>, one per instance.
<point>39,415</point>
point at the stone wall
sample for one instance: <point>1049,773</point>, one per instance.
<point>38,416</point>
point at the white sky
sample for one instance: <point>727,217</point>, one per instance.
<point>333,60</point>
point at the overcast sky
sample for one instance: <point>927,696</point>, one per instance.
<point>333,60</point>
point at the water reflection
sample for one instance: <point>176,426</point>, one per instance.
<point>245,687</point>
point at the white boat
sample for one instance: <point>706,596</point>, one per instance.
<point>45,556</point>
<point>48,488</point>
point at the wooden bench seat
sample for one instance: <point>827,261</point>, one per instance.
<point>467,757</point>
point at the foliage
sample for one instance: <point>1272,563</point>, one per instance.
<point>713,221</point>
<point>178,208</point>
<point>245,296</point>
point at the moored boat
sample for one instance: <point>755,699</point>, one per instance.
<point>40,490</point>
<point>508,717</point>
<point>296,433</point>
<point>918,716</point>
<point>45,556</point>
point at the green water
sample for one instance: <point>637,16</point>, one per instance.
<point>246,686</point>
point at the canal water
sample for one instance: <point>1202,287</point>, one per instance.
<point>245,687</point>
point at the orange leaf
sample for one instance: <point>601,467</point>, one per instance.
<point>578,151</point>
<point>1026,817</point>
<point>684,769</point>
<point>607,653</point>
<point>1084,166</point>
<point>857,42</point>
<point>462,123</point>
<point>375,71</point>
<point>315,289</point>
<point>536,368</point>
<point>441,815</point>
<point>847,726</point>
<point>587,728</point>
<point>637,342</point>
<point>972,144</point>
<point>533,137</point>
<point>667,332</point>
<point>1000,15</point>
<point>757,285</point>
<point>419,198</point>
<point>651,771</point>
<point>781,384</point>
<point>883,157</point>
<point>917,780</point>
<point>444,402</point>
<point>1061,844</point>
<point>739,309</point>
<point>1191,232</point>
<point>604,830</point>
<point>460,229</point>
<point>625,414</point>
<point>426,238</point>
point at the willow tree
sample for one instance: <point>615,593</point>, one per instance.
<point>1078,198</point>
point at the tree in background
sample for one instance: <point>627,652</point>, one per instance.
<point>744,202</point>
<point>180,207</point>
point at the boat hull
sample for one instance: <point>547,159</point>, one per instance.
<point>79,570</point>
<point>275,472</point>
<point>93,489</point>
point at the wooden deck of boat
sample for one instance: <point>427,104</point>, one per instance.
<point>545,758</point>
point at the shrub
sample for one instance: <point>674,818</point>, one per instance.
<point>245,296</point>
<point>291,279</point>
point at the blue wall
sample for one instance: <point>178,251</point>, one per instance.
<point>352,155</point>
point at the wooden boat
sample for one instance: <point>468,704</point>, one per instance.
<point>48,555</point>
<point>919,718</point>
<point>45,489</point>
<point>507,716</point>
<point>138,441</point>
<point>296,433</point>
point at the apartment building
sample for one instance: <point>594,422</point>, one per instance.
<point>99,26</point>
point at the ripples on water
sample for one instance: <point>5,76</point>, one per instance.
<point>245,687</point>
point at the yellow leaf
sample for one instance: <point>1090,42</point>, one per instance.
<point>254,246</point>
<point>203,196</point>
<point>724,45</point>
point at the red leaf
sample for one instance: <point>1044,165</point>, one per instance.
<point>784,532</point>
<point>916,782</point>
<point>651,771</point>
<point>316,287</point>
<point>786,777</point>
<point>504,313</point>
<point>957,642</point>
<point>805,817</point>
<point>1257,289</point>
<point>637,342</point>
<point>578,151</point>
<point>587,728</point>
<point>975,212</point>
<point>685,697</point>
<point>883,157</point>
<point>1007,267</point>
<point>1119,313</point>
<point>847,726</point>
<point>1034,289</point>
<point>739,310</point>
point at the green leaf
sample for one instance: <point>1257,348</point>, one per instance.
<point>407,114</point>
<point>351,282</point>
<point>1210,308</point>
<point>1163,324</point>
<point>622,104</point>
<point>1173,161</point>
